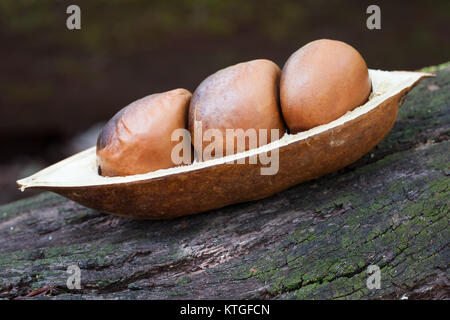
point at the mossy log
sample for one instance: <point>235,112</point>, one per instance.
<point>313,241</point>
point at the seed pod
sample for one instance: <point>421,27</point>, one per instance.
<point>320,82</point>
<point>243,96</point>
<point>138,138</point>
<point>212,184</point>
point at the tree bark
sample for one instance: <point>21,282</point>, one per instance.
<point>313,241</point>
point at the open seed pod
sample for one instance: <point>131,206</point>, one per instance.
<point>202,186</point>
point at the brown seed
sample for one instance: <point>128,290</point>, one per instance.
<point>138,138</point>
<point>243,96</point>
<point>320,82</point>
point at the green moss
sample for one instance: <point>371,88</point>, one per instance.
<point>436,68</point>
<point>306,292</point>
<point>301,235</point>
<point>375,232</point>
<point>400,227</point>
<point>290,282</point>
<point>176,293</point>
<point>184,281</point>
<point>346,242</point>
<point>440,186</point>
<point>242,273</point>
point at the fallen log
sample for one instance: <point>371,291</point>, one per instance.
<point>314,241</point>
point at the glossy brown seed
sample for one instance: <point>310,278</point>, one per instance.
<point>138,138</point>
<point>243,96</point>
<point>320,82</point>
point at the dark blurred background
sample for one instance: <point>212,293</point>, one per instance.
<point>57,86</point>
